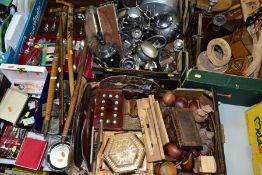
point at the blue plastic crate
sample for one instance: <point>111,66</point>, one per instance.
<point>30,29</point>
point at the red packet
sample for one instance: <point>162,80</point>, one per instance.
<point>31,153</point>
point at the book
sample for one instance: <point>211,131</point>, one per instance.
<point>187,134</point>
<point>31,153</point>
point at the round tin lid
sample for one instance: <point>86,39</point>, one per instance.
<point>219,20</point>
<point>57,156</point>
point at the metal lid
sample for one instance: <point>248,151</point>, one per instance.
<point>134,12</point>
<point>158,41</point>
<point>149,49</point>
<point>219,20</point>
<point>164,20</point>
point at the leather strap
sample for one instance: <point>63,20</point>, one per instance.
<point>122,81</point>
<point>226,50</point>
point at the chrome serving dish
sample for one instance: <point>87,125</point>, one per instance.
<point>157,7</point>
<point>167,25</point>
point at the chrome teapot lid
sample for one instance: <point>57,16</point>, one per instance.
<point>149,49</point>
<point>164,20</point>
<point>134,13</point>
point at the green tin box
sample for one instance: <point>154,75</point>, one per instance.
<point>230,89</point>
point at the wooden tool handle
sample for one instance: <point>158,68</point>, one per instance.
<point>52,82</point>
<point>55,10</point>
<point>70,26</point>
<point>65,3</point>
<point>199,34</point>
<point>75,94</point>
<point>51,90</point>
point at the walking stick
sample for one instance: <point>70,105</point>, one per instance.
<point>70,18</point>
<point>52,85</point>
<point>75,94</point>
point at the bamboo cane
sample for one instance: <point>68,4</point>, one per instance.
<point>70,18</point>
<point>52,86</point>
<point>75,94</point>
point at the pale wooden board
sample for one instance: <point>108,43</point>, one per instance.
<point>162,128</point>
<point>159,141</point>
<point>149,132</point>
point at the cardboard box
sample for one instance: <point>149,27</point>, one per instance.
<point>4,85</point>
<point>29,29</point>
<point>230,89</point>
<point>29,79</point>
<point>208,98</point>
<point>254,127</point>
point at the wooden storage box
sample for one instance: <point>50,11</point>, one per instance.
<point>208,98</point>
<point>204,97</point>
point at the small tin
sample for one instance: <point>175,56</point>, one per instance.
<point>57,156</point>
<point>124,153</point>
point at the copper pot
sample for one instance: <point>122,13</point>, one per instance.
<point>173,151</point>
<point>188,165</point>
<point>168,168</point>
<point>181,102</point>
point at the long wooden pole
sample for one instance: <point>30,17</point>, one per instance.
<point>52,85</point>
<point>75,94</point>
<point>70,21</point>
<point>61,75</point>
